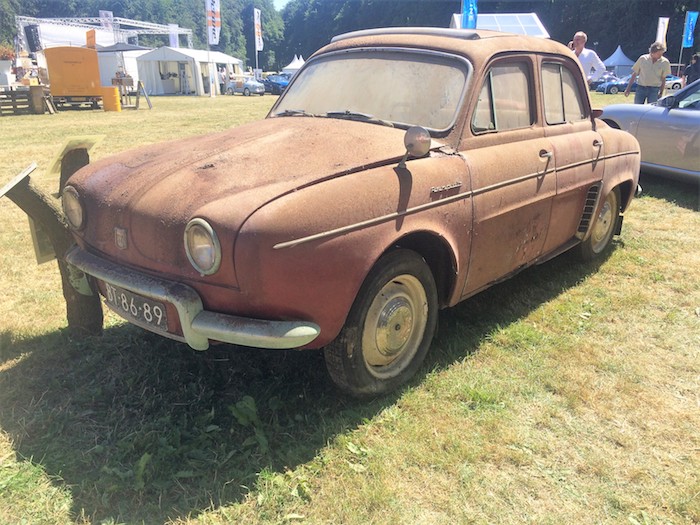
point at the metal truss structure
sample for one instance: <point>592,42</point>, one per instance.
<point>123,28</point>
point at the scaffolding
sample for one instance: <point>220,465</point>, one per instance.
<point>122,29</point>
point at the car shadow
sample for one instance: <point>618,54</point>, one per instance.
<point>685,194</point>
<point>143,429</point>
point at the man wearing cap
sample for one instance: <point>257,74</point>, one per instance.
<point>651,69</point>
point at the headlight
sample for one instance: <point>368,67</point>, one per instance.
<point>73,208</point>
<point>202,247</point>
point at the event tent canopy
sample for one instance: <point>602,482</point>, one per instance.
<point>119,58</point>
<point>619,63</point>
<point>170,70</point>
<point>294,65</point>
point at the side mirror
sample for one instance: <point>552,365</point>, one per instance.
<point>417,141</point>
<point>667,102</point>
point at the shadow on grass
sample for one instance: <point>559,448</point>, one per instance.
<point>681,193</point>
<point>145,429</point>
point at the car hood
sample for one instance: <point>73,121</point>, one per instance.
<point>627,115</point>
<point>152,192</point>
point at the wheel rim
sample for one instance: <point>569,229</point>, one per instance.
<point>613,90</point>
<point>394,326</point>
<point>603,227</point>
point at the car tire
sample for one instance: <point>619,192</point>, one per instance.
<point>614,90</point>
<point>229,91</point>
<point>389,328</point>
<point>676,85</point>
<point>603,228</point>
<point>246,92</point>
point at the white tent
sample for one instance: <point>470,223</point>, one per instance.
<point>171,71</point>
<point>119,58</point>
<point>618,63</point>
<point>294,65</point>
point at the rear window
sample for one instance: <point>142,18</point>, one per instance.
<point>562,100</point>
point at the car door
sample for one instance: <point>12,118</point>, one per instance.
<point>671,136</point>
<point>512,173</point>
<point>578,148</point>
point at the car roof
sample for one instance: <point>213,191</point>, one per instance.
<point>477,44</point>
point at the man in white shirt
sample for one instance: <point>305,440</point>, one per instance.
<point>589,59</point>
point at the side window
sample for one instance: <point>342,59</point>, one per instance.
<point>504,101</point>
<point>562,101</point>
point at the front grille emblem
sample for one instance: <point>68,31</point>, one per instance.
<point>120,238</point>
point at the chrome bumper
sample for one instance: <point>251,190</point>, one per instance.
<point>198,325</point>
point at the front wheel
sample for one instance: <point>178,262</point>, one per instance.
<point>603,228</point>
<point>246,92</point>
<point>389,329</point>
<point>614,90</point>
<point>676,86</point>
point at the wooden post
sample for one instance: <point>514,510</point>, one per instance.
<point>83,307</point>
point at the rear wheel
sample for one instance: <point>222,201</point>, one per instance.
<point>676,85</point>
<point>614,90</point>
<point>389,328</point>
<point>246,92</point>
<point>603,228</point>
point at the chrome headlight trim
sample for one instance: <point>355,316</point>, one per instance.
<point>202,246</point>
<point>73,208</point>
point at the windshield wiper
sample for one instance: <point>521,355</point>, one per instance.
<point>355,115</point>
<point>293,113</point>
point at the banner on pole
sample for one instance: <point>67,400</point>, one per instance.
<point>469,13</point>
<point>661,30</point>
<point>258,30</point>
<point>691,18</point>
<point>107,19</point>
<point>174,40</point>
<point>213,21</point>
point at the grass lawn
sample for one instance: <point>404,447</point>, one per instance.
<point>569,394</point>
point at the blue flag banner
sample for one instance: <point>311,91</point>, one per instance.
<point>691,18</point>
<point>469,13</point>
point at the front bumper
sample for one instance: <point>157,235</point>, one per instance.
<point>198,325</point>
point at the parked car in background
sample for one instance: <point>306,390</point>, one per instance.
<point>606,77</point>
<point>447,161</point>
<point>275,84</point>
<point>613,87</point>
<point>668,132</point>
<point>673,82</point>
<point>246,86</point>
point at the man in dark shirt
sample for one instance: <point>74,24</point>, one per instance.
<point>692,72</point>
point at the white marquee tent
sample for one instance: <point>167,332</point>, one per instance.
<point>171,71</point>
<point>619,63</point>
<point>119,58</point>
<point>294,65</point>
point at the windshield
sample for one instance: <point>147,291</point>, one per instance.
<point>395,86</point>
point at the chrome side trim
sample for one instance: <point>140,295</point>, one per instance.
<point>198,325</point>
<point>447,200</point>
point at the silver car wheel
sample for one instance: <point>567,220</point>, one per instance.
<point>394,326</point>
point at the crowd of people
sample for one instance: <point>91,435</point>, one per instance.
<point>649,71</point>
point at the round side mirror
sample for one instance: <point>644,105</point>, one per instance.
<point>417,141</point>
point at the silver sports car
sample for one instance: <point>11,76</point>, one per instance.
<point>668,132</point>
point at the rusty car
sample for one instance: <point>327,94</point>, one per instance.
<point>402,171</point>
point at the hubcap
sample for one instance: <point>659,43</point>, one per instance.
<point>394,326</point>
<point>603,226</point>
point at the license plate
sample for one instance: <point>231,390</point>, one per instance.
<point>136,307</point>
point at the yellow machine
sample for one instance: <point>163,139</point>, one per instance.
<point>74,75</point>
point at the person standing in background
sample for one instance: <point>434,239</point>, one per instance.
<point>651,69</point>
<point>692,72</point>
<point>588,58</point>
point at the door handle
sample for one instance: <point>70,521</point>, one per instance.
<point>546,154</point>
<point>597,143</point>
